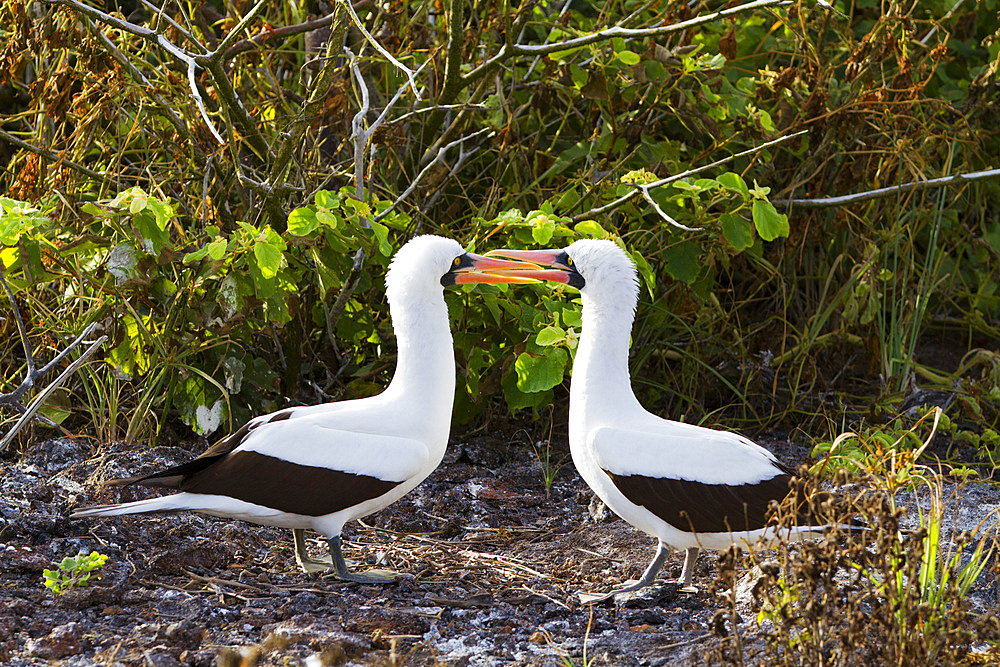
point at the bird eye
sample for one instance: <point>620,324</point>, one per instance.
<point>569,261</point>
<point>458,261</point>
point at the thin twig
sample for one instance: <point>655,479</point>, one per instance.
<point>37,402</point>
<point>439,157</point>
<point>644,188</point>
<point>54,157</point>
<point>381,49</point>
<point>161,14</point>
<point>200,103</point>
<point>220,51</point>
<point>165,108</point>
<point>943,19</point>
<point>882,193</point>
<point>509,50</point>
<point>153,36</point>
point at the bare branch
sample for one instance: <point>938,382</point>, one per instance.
<point>200,103</point>
<point>439,157</point>
<point>39,400</point>
<point>54,157</point>
<point>456,38</point>
<point>663,214</point>
<point>358,132</point>
<point>508,50</point>
<point>619,31</point>
<point>644,188</point>
<point>381,49</point>
<point>314,102</point>
<point>284,31</point>
<point>882,193</point>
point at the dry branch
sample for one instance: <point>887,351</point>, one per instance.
<point>882,193</point>
<point>644,188</point>
<point>33,373</point>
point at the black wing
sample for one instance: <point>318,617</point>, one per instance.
<point>289,487</point>
<point>705,508</point>
<point>172,477</point>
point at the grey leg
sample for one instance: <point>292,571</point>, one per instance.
<point>367,577</point>
<point>335,565</point>
<point>648,577</point>
<point>687,572</point>
<point>307,563</point>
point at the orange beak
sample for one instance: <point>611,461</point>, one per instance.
<point>559,272</point>
<point>491,270</point>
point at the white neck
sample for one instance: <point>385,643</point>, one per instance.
<point>424,381</point>
<point>601,384</point>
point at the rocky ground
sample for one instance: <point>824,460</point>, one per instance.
<point>494,562</point>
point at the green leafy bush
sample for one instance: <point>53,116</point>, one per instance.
<point>227,271</point>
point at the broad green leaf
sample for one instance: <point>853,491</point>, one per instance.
<point>543,229</point>
<point>509,216</point>
<point>736,231</point>
<point>154,237</point>
<point>520,400</point>
<point>326,279</point>
<point>591,229</point>
<point>162,212</point>
<point>196,255</point>
<point>559,55</point>
<point>381,233</point>
<point>681,261</point>
<point>93,209</point>
<point>645,271</point>
<point>137,205</point>
<point>769,223</point>
<point>268,258</point>
<point>734,182</point>
<point>326,218</point>
<point>550,336</point>
<point>217,248</point>
<point>11,228</point>
<point>536,374</point>
<point>303,221</point>
<point>572,316</point>
<point>327,199</point>
<point>629,57</point>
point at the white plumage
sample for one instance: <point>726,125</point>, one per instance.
<point>318,467</point>
<point>688,486</point>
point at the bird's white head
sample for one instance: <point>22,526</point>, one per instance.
<point>421,263</point>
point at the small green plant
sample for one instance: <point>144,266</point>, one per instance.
<point>74,571</point>
<point>565,660</point>
<point>547,460</point>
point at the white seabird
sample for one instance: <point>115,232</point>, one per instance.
<point>320,466</point>
<point>688,486</point>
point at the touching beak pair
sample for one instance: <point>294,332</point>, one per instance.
<point>530,267</point>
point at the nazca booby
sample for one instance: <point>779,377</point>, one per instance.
<point>688,486</point>
<point>317,467</point>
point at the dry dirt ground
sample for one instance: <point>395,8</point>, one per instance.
<point>494,562</point>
